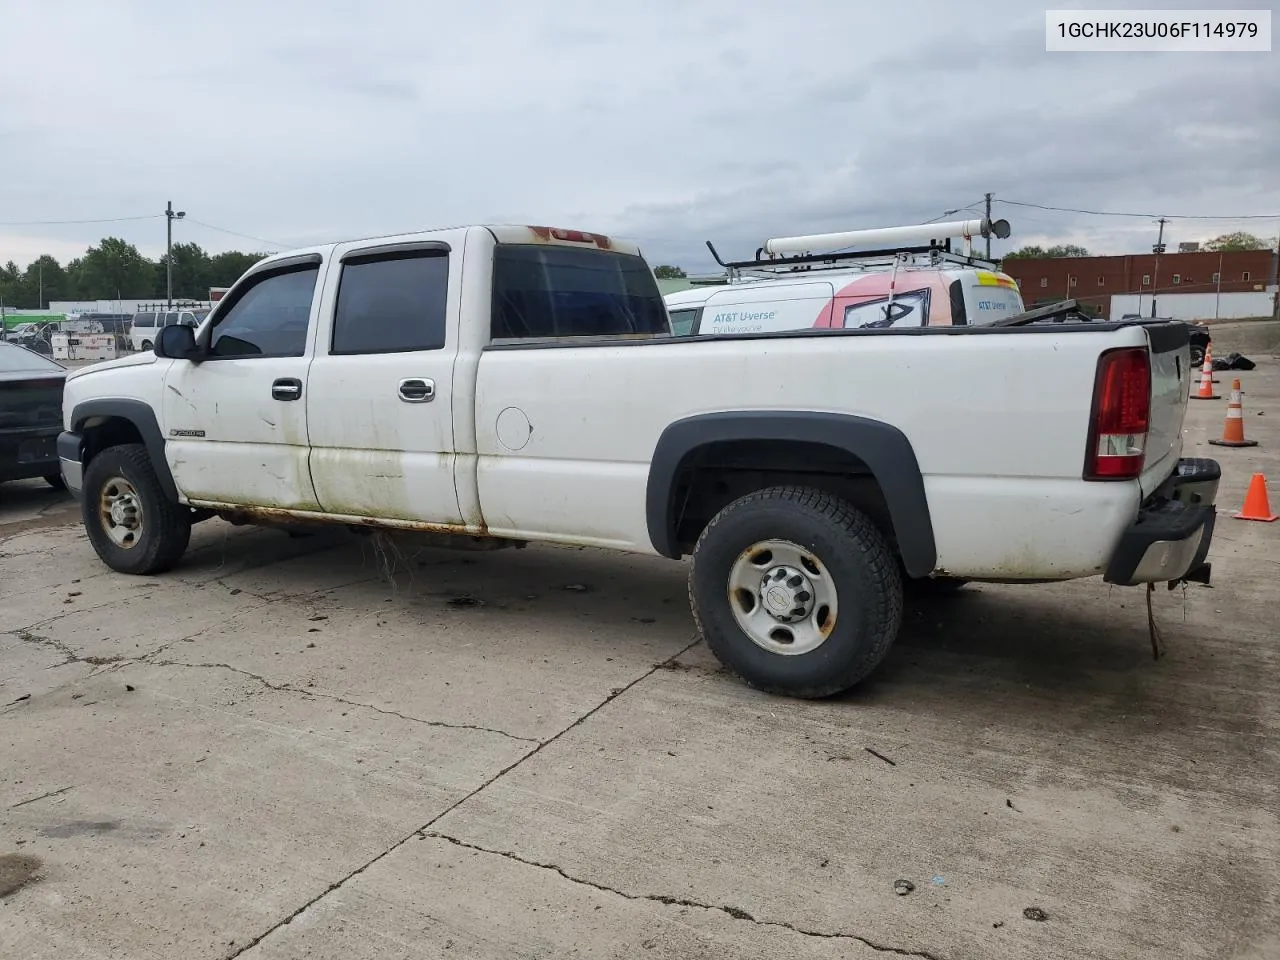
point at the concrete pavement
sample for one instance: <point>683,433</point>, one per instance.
<point>279,751</point>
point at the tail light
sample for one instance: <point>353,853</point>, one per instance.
<point>1121,415</point>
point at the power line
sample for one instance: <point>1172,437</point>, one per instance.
<point>947,213</point>
<point>1113,213</point>
<point>56,223</point>
<point>233,233</point>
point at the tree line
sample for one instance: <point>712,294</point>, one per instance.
<point>1226,243</point>
<point>115,269</point>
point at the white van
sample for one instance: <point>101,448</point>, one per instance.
<point>146,326</point>
<point>924,285</point>
<point>845,299</point>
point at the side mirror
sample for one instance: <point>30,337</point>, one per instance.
<point>177,342</point>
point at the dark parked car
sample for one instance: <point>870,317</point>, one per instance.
<point>1200,338</point>
<point>30,414</point>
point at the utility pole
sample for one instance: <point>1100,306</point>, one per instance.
<point>1217,293</point>
<point>988,221</point>
<point>1157,250</point>
<point>40,272</point>
<point>170,216</point>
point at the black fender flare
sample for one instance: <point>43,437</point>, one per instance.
<point>884,448</point>
<point>143,418</point>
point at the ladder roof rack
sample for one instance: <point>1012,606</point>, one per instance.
<point>933,241</point>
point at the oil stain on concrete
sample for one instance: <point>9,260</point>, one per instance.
<point>16,871</point>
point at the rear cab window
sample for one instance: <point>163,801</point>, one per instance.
<point>545,291</point>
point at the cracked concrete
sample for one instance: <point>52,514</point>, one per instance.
<point>275,752</point>
<point>735,912</point>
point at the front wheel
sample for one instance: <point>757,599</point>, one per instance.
<point>146,345</point>
<point>796,591</point>
<point>133,526</point>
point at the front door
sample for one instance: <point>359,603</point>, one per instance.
<point>235,424</point>
<point>380,390</point>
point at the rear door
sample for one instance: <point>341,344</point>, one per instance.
<point>989,296</point>
<point>380,398</point>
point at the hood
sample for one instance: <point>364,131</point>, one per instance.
<point>133,360</point>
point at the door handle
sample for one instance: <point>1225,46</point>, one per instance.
<point>286,388</point>
<point>417,390</point>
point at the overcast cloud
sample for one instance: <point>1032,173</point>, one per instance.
<point>298,122</point>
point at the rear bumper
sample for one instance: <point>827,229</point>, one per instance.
<point>1169,539</point>
<point>69,463</point>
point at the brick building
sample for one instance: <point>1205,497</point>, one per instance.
<point>1094,280</point>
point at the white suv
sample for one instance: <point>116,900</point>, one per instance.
<point>146,326</point>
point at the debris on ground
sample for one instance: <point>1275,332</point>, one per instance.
<point>1233,361</point>
<point>903,887</point>
<point>1036,914</point>
<point>879,756</point>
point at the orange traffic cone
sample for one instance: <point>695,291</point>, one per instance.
<point>1256,504</point>
<point>1208,361</point>
<point>1233,428</point>
<point>1206,380</point>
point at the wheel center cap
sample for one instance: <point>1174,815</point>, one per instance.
<point>779,599</point>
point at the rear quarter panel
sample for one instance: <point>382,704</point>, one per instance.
<point>998,422</point>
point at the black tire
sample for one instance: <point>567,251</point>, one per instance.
<point>165,527</point>
<point>146,345</point>
<point>861,566</point>
<point>1197,355</point>
<point>55,480</point>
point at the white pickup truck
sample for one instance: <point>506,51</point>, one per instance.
<point>521,383</point>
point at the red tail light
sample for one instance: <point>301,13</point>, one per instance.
<point>1121,415</point>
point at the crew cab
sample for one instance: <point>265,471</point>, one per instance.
<point>521,384</point>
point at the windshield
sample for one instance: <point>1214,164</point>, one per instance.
<point>17,360</point>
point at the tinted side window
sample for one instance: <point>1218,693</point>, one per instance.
<point>144,320</point>
<point>391,303</point>
<point>551,291</point>
<point>269,319</point>
<point>170,319</point>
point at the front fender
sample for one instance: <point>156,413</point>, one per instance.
<point>144,420</point>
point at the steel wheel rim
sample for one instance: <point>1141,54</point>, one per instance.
<point>120,512</point>
<point>783,597</point>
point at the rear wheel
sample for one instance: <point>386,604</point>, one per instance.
<point>131,522</point>
<point>146,345</point>
<point>796,591</point>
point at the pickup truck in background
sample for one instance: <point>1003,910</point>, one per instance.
<point>522,384</point>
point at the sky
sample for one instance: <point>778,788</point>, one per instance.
<point>280,124</point>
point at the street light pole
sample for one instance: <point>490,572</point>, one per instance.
<point>170,215</point>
